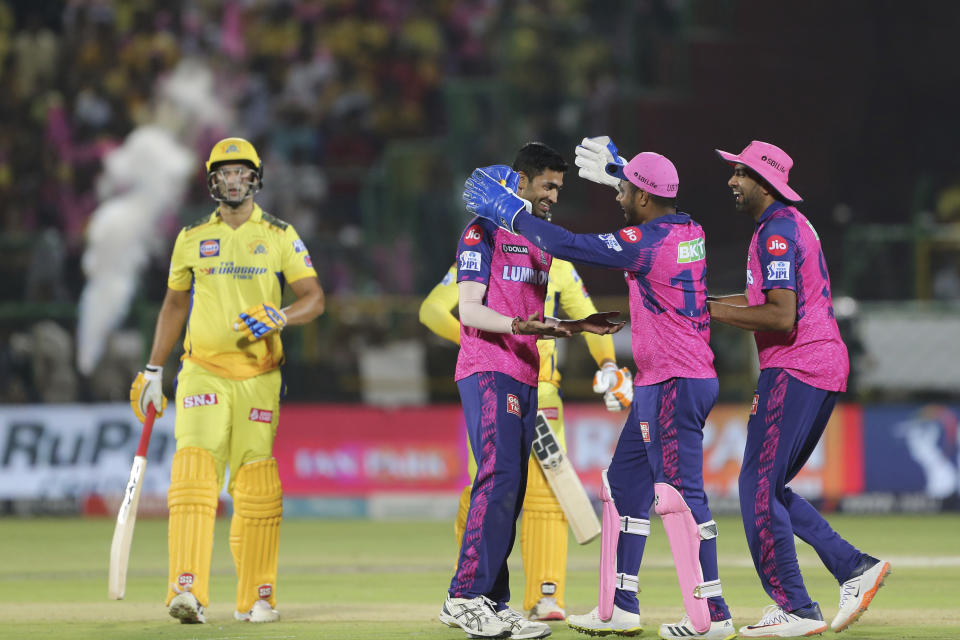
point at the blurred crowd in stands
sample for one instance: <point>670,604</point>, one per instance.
<point>319,87</point>
<point>324,89</point>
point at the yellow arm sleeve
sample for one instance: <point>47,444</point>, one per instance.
<point>576,303</point>
<point>436,309</point>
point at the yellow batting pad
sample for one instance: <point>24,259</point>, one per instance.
<point>543,541</point>
<point>192,499</point>
<point>255,532</point>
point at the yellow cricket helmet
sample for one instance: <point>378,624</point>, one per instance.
<point>233,150</point>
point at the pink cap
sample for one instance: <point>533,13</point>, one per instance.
<point>770,162</point>
<point>649,171</point>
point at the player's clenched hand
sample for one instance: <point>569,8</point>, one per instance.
<point>259,320</point>
<point>489,193</point>
<point>593,155</point>
<point>147,389</point>
<point>616,385</point>
<point>600,323</point>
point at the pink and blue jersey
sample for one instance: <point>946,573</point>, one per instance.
<point>515,272</point>
<point>785,253</point>
<point>664,262</point>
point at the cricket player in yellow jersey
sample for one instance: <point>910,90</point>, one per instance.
<point>226,281</point>
<point>543,530</point>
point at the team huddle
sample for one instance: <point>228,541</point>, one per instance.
<point>658,461</point>
<point>513,275</point>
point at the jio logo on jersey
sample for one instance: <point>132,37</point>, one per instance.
<point>631,234</point>
<point>776,246</point>
<point>473,235</point>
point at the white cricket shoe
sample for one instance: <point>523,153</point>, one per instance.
<point>187,609</point>
<point>260,612</point>
<point>621,623</point>
<point>777,623</point>
<point>857,592</point>
<point>476,616</point>
<point>720,630</point>
<point>547,609</point>
<point>520,627</point>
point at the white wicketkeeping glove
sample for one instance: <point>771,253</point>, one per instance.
<point>616,385</point>
<point>593,155</point>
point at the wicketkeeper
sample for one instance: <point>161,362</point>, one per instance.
<point>226,280</point>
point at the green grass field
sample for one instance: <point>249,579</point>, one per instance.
<point>364,579</point>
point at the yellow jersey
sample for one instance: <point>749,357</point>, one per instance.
<point>565,291</point>
<point>227,271</point>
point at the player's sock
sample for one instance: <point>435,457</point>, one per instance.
<point>543,541</point>
<point>192,499</point>
<point>258,508</point>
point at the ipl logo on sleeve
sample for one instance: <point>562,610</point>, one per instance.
<point>470,261</point>
<point>778,270</point>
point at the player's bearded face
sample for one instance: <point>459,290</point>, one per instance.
<point>234,182</point>
<point>747,192</point>
<point>628,202</point>
<point>543,192</point>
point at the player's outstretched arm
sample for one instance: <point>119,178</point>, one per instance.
<point>736,299</point>
<point>778,313</point>
<point>600,323</point>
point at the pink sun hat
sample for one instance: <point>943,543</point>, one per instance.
<point>649,171</point>
<point>768,161</point>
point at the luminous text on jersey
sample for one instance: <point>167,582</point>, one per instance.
<point>524,274</point>
<point>691,251</point>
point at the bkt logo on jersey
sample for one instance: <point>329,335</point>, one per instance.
<point>776,245</point>
<point>199,400</point>
<point>209,248</point>
<point>691,251</point>
<point>525,274</point>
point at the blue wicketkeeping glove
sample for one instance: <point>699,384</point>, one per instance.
<point>489,193</point>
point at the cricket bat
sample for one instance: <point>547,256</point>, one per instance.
<point>127,515</point>
<point>566,485</point>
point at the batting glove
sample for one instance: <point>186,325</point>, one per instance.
<point>147,389</point>
<point>489,193</point>
<point>593,155</point>
<point>616,385</point>
<point>259,320</point>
